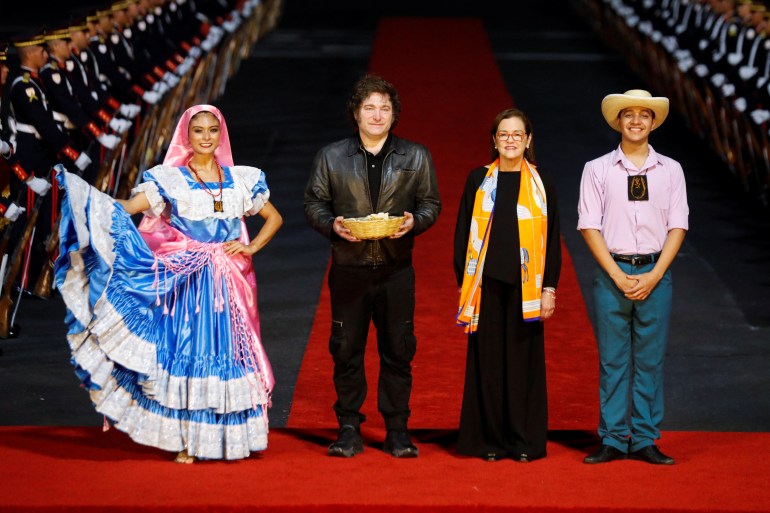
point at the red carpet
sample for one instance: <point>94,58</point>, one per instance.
<point>82,469</point>
<point>451,90</point>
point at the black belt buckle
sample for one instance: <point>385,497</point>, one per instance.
<point>637,259</point>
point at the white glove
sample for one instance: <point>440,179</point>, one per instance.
<point>734,58</point>
<point>194,52</point>
<point>216,33</point>
<point>685,65</point>
<point>740,104</point>
<point>207,44</point>
<point>760,115</point>
<point>40,186</point>
<point>669,43</point>
<point>170,79</point>
<point>5,148</point>
<point>151,97</point>
<point>746,72</point>
<point>120,125</point>
<point>728,89</point>
<point>129,110</point>
<point>82,162</point>
<point>718,79</point>
<point>109,141</point>
<point>701,70</point>
<point>13,212</point>
<point>160,87</point>
<point>182,69</point>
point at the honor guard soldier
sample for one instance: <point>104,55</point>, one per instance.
<point>8,208</point>
<point>111,27</point>
<point>86,72</point>
<point>165,56</point>
<point>40,143</point>
<point>117,83</point>
<point>65,106</point>
<point>127,45</point>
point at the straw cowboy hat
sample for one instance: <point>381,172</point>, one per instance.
<point>613,104</point>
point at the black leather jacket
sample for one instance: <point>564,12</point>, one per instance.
<point>339,186</point>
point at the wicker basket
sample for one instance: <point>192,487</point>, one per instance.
<point>367,228</point>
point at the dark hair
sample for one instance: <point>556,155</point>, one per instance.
<point>200,113</point>
<point>366,86</point>
<point>529,153</point>
<point>652,112</point>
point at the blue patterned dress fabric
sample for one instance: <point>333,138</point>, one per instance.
<point>162,324</point>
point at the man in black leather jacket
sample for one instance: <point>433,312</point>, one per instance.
<point>372,280</point>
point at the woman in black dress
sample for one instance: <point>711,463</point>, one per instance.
<point>508,271</point>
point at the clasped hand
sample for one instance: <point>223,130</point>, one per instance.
<point>638,287</point>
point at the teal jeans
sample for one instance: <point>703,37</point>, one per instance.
<point>632,337</point>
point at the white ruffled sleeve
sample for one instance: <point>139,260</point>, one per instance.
<point>151,189</point>
<point>251,181</point>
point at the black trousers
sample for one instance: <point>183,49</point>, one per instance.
<point>383,295</point>
<point>505,409</point>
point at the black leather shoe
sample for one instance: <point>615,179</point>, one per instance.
<point>348,444</point>
<point>398,445</point>
<point>651,454</point>
<point>606,454</point>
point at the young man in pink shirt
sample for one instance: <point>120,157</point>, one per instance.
<point>633,215</point>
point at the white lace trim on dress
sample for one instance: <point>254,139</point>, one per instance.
<point>197,204</point>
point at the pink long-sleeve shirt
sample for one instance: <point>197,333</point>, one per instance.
<point>632,227</point>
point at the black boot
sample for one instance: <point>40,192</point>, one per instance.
<point>348,444</point>
<point>399,445</point>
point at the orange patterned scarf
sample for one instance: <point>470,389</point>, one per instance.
<point>532,213</point>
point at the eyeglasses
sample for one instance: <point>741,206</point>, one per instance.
<point>517,136</point>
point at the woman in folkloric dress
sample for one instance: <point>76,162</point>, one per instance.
<point>163,321</point>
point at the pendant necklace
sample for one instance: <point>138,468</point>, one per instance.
<point>638,190</point>
<point>218,205</point>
